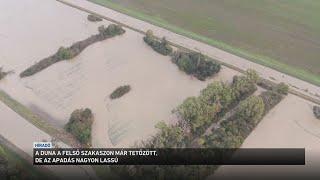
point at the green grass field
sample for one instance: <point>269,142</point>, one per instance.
<point>281,34</point>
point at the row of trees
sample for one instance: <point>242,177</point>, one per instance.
<point>195,112</point>
<point>234,130</point>
<point>192,63</point>
<point>195,64</point>
<point>161,46</point>
<point>75,49</point>
<point>79,125</point>
<point>214,101</point>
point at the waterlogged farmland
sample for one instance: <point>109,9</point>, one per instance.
<point>87,80</point>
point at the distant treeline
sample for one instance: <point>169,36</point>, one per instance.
<point>71,52</point>
<point>192,63</point>
<point>196,113</point>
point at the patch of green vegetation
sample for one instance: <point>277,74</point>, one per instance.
<point>161,47</point>
<point>120,91</point>
<point>94,18</point>
<point>214,101</point>
<point>79,125</point>
<point>12,166</point>
<point>74,50</point>
<point>194,113</point>
<point>316,111</point>
<point>196,64</point>
<point>204,28</point>
<point>3,73</point>
<point>64,53</point>
<point>34,119</point>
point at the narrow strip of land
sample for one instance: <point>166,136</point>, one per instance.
<point>16,129</point>
<point>298,87</point>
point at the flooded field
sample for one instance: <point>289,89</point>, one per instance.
<point>291,124</point>
<point>87,80</point>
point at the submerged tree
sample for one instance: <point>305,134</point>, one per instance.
<point>316,111</point>
<point>282,88</point>
<point>120,91</point>
<point>161,46</point>
<point>196,64</point>
<point>251,109</point>
<point>169,136</point>
<point>80,124</point>
<point>3,73</point>
<point>94,18</point>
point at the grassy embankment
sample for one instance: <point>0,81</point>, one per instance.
<point>20,168</point>
<point>266,47</point>
<point>28,115</point>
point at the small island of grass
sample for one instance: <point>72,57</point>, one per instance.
<point>94,18</point>
<point>316,111</point>
<point>120,91</point>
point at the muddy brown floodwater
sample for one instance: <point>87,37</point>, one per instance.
<point>87,80</point>
<point>291,124</point>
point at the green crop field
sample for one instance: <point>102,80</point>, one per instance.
<point>281,34</point>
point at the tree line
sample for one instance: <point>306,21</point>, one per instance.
<point>196,113</point>
<point>74,50</point>
<point>192,63</point>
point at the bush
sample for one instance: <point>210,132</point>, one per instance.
<point>282,88</point>
<point>120,91</point>
<point>316,111</point>
<point>270,99</point>
<point>80,124</point>
<point>218,93</point>
<point>111,30</point>
<point>196,113</point>
<point>251,110</point>
<point>63,53</point>
<point>243,87</point>
<point>93,18</point>
<point>3,74</point>
<point>196,64</point>
<point>161,47</point>
<point>168,136</point>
